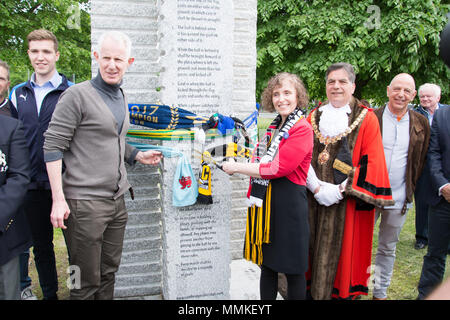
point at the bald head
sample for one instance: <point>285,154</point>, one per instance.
<point>401,91</point>
<point>404,77</point>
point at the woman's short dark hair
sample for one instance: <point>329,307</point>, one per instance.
<point>276,81</point>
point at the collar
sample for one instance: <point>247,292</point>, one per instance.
<point>55,81</point>
<point>99,83</point>
<point>405,117</point>
<point>438,105</point>
<point>330,107</point>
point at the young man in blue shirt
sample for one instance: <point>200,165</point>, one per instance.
<point>34,102</point>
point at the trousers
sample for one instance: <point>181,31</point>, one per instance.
<point>438,238</point>
<point>268,285</point>
<point>38,206</point>
<point>94,239</point>
<point>10,280</point>
<point>391,224</point>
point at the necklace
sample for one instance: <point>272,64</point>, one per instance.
<point>324,156</point>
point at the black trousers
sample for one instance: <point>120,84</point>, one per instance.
<point>438,238</point>
<point>38,206</point>
<point>268,285</point>
<point>421,220</point>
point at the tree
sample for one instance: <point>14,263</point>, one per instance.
<point>69,20</point>
<point>379,38</point>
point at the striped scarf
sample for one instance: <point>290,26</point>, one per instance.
<point>260,191</point>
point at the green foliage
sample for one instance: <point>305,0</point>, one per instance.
<point>379,38</point>
<point>71,26</point>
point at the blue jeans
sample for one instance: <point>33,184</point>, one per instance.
<point>438,238</point>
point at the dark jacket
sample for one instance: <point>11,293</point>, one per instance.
<point>419,137</point>
<point>35,125</point>
<point>439,153</point>
<point>6,109</point>
<point>422,192</point>
<point>15,236</point>
<point>424,112</point>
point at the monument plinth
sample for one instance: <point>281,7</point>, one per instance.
<point>198,76</point>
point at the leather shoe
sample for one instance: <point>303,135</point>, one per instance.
<point>375,298</point>
<point>419,245</point>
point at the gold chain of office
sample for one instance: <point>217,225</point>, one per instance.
<point>324,156</point>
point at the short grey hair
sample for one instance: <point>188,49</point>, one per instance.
<point>118,36</point>
<point>436,89</point>
<point>342,65</point>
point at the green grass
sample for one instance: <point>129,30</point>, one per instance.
<point>408,262</point>
<point>407,268</point>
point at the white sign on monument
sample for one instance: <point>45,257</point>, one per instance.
<point>197,71</point>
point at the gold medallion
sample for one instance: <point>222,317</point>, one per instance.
<point>324,156</point>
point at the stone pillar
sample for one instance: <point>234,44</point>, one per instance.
<point>198,76</point>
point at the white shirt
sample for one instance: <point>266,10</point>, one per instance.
<point>396,145</point>
<point>41,91</point>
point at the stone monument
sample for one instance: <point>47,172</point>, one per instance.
<point>198,76</point>
<point>199,55</point>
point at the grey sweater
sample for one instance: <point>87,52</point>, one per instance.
<point>84,132</point>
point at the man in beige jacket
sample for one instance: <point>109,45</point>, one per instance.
<point>87,131</point>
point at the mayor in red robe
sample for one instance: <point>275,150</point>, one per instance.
<point>349,178</point>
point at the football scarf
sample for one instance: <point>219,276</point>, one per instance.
<point>265,152</point>
<point>163,117</point>
<point>229,150</point>
<point>204,183</point>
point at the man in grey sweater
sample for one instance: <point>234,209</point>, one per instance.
<point>88,130</point>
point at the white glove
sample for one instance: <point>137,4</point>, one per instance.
<point>312,182</point>
<point>328,194</point>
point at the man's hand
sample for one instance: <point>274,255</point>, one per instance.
<point>152,157</point>
<point>60,212</point>
<point>445,191</point>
